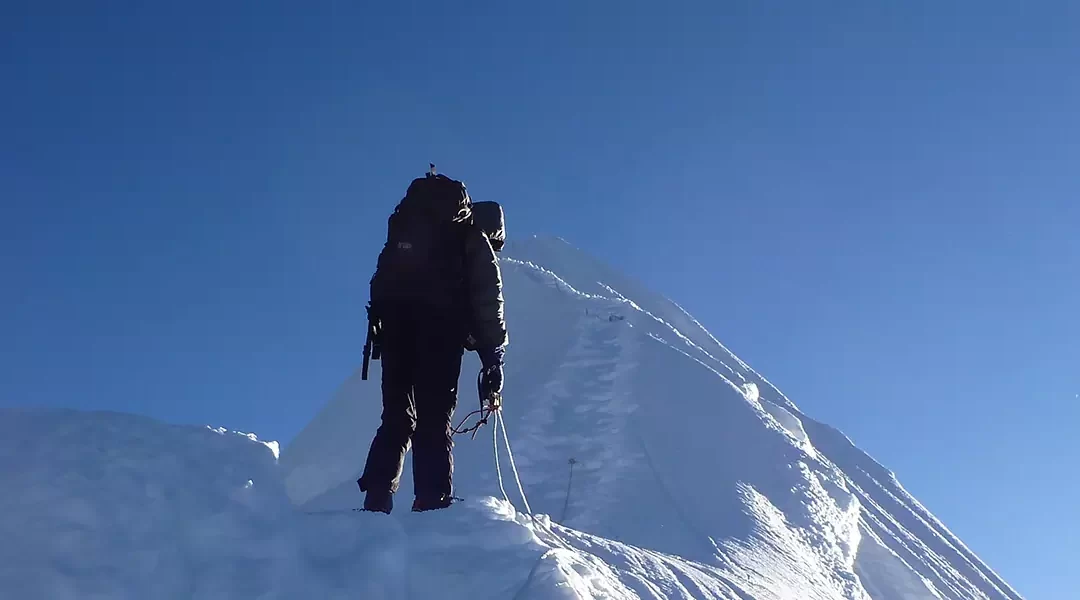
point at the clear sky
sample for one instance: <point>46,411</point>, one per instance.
<point>876,204</point>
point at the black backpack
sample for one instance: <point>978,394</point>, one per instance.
<point>421,265</point>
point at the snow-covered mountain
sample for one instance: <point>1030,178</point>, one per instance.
<point>692,477</point>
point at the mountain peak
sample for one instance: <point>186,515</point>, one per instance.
<point>657,465</point>
<point>678,446</point>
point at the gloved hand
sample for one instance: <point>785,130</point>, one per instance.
<point>491,380</point>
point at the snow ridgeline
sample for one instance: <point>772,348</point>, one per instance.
<point>693,477</point>
<point>112,505</point>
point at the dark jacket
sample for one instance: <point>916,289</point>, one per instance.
<point>483,291</point>
<point>444,275</point>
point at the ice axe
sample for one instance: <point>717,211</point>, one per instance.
<point>372,345</point>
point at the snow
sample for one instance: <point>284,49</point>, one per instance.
<point>692,477</point>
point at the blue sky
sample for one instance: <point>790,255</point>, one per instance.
<point>876,206</point>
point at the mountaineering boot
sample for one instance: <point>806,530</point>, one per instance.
<point>379,501</point>
<point>422,504</point>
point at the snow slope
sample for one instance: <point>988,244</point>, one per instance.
<point>693,477</point>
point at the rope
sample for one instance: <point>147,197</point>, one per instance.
<point>498,471</point>
<point>500,423</point>
<point>484,413</point>
<point>513,467</point>
<point>488,408</point>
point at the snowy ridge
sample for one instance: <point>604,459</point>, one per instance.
<point>941,559</point>
<point>692,477</point>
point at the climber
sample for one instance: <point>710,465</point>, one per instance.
<point>437,290</point>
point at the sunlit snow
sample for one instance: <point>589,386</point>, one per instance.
<point>657,463</point>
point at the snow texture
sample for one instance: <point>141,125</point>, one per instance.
<point>692,477</point>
